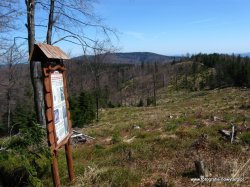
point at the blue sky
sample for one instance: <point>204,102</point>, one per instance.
<point>173,27</point>
<point>169,27</point>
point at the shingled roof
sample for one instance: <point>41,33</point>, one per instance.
<point>44,51</point>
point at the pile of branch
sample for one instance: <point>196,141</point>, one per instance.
<point>78,137</point>
<point>227,134</point>
<point>231,134</point>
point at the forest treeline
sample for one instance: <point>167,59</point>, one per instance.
<point>230,70</point>
<point>95,85</point>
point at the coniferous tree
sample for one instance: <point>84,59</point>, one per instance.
<point>82,109</point>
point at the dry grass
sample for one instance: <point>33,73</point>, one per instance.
<point>136,146</point>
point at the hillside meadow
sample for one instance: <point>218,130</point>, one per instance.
<point>150,146</point>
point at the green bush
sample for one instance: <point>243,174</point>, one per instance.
<point>150,101</point>
<point>171,127</point>
<point>111,105</point>
<point>25,159</point>
<point>116,138</point>
<point>141,103</point>
<point>82,109</point>
<point>3,129</point>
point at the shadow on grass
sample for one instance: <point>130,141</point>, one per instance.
<point>190,174</point>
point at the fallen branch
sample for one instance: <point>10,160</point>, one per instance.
<point>238,171</point>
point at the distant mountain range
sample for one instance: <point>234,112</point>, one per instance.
<point>135,58</point>
<point>146,57</point>
<point>245,54</point>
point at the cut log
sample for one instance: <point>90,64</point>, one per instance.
<point>160,183</point>
<point>200,168</point>
<point>229,135</point>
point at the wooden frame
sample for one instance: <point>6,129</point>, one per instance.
<point>50,107</point>
<point>51,123</point>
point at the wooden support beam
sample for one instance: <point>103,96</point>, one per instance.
<point>69,158</point>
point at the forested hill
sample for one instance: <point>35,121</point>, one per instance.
<point>147,57</point>
<point>245,54</point>
<point>122,84</point>
<point>135,58</point>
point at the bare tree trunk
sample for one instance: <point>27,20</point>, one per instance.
<point>38,93</point>
<point>10,65</point>
<point>35,67</point>
<point>154,83</point>
<point>50,22</point>
<point>154,87</point>
<point>97,107</point>
<point>97,95</point>
<point>30,4</point>
<point>9,111</point>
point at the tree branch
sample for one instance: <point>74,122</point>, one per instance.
<point>70,32</point>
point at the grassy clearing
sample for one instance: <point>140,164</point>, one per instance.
<point>138,146</point>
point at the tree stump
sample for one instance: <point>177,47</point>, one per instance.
<point>200,168</point>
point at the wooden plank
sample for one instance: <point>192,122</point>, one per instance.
<point>70,124</point>
<point>51,138</point>
<point>48,100</point>
<point>57,68</point>
<point>49,114</point>
<point>64,141</point>
<point>53,146</point>
<point>50,127</point>
<point>46,72</point>
<point>68,114</point>
<point>47,84</point>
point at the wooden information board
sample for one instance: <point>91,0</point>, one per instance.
<point>59,128</point>
<point>59,106</point>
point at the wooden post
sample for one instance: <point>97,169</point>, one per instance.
<point>68,150</point>
<point>54,169</point>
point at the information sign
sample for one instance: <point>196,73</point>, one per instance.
<point>58,123</point>
<point>59,106</point>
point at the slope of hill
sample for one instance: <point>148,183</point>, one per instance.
<point>147,57</point>
<point>140,146</point>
